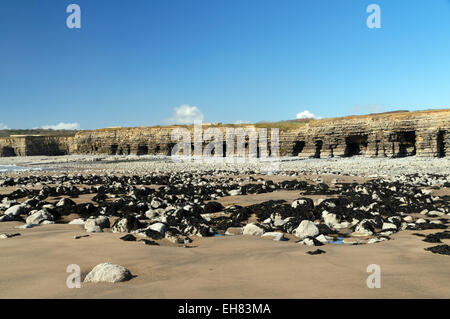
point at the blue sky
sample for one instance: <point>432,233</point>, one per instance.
<point>133,62</point>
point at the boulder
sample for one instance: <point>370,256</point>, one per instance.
<point>39,217</point>
<point>78,221</point>
<point>389,226</point>
<point>93,229</point>
<point>65,202</point>
<point>306,229</point>
<point>125,225</point>
<point>108,272</point>
<point>365,227</point>
<point>101,222</point>
<point>276,236</point>
<point>322,239</point>
<point>253,229</point>
<point>235,192</point>
<point>213,207</point>
<point>15,211</point>
<point>158,227</point>
<point>330,219</point>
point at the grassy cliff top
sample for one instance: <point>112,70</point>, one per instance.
<point>282,125</point>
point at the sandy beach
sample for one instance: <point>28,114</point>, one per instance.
<point>34,266</point>
<point>34,263</point>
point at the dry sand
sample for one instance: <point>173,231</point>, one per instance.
<point>34,264</point>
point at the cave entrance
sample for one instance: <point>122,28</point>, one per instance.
<point>157,149</point>
<point>298,148</point>
<point>441,144</point>
<point>170,146</point>
<point>142,150</point>
<point>224,149</point>
<point>355,145</point>
<point>318,149</point>
<point>8,151</point>
<point>407,143</point>
<point>113,149</point>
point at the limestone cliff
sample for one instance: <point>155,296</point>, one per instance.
<point>422,133</point>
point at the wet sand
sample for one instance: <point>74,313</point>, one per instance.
<point>34,264</point>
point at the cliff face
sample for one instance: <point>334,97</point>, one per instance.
<point>392,135</point>
<point>424,133</point>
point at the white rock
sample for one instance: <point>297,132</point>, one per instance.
<point>307,242</point>
<point>78,221</point>
<point>408,219</point>
<point>102,222</point>
<point>277,220</point>
<point>108,273</point>
<point>39,217</point>
<point>421,221</point>
<point>93,229</point>
<point>386,233</point>
<point>389,226</point>
<point>330,219</point>
<point>159,227</point>
<point>436,213</point>
<point>306,229</point>
<point>235,192</point>
<point>322,239</point>
<point>15,210</point>
<point>155,203</point>
<point>276,236</point>
<point>253,229</point>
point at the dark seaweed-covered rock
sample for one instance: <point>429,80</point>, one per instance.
<point>440,249</point>
<point>436,238</point>
<point>420,235</point>
<point>213,207</point>
<point>325,230</point>
<point>149,242</point>
<point>153,234</point>
<point>425,226</point>
<point>316,252</point>
<point>100,197</point>
<point>128,237</point>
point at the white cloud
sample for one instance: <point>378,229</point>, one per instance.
<point>62,126</point>
<point>306,115</point>
<point>186,114</point>
<point>3,126</point>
